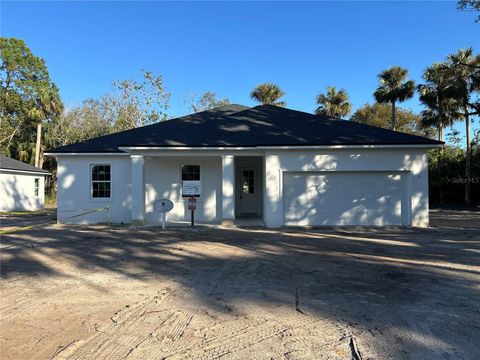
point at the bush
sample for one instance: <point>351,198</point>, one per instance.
<point>447,176</point>
<point>50,199</point>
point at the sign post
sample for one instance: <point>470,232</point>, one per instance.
<point>163,206</point>
<point>192,189</point>
<point>192,205</point>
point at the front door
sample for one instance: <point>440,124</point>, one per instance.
<point>248,191</point>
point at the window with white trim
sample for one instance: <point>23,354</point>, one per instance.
<point>36,186</point>
<point>100,181</point>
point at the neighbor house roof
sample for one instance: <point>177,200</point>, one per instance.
<point>7,163</point>
<point>239,126</point>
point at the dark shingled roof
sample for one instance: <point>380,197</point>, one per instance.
<point>11,164</point>
<point>239,126</point>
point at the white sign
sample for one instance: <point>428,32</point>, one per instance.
<point>163,205</point>
<point>191,188</point>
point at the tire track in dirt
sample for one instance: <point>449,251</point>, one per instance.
<point>233,337</point>
<point>128,328</point>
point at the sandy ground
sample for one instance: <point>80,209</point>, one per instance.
<point>95,293</point>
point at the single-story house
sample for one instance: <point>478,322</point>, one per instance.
<point>280,166</point>
<point>22,186</point>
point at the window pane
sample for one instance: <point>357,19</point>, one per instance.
<point>95,173</point>
<point>101,173</point>
<point>190,172</point>
<point>248,182</point>
<point>101,189</point>
<point>107,173</point>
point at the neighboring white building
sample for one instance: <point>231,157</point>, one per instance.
<point>283,167</point>
<point>22,186</point>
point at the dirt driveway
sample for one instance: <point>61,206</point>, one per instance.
<point>94,293</point>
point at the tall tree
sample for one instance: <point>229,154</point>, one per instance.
<point>208,101</point>
<point>333,103</point>
<point>469,5</point>
<point>268,94</point>
<point>465,77</point>
<point>436,94</point>
<point>93,118</point>
<point>379,115</point>
<point>394,87</point>
<point>139,103</point>
<point>28,96</point>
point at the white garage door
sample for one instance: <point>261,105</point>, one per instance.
<point>342,198</point>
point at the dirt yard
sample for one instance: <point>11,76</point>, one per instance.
<point>94,293</point>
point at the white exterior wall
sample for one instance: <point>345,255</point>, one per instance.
<point>74,192</point>
<point>17,191</point>
<point>162,177</point>
<point>163,180</point>
<point>413,163</point>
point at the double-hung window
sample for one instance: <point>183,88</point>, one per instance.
<point>101,182</point>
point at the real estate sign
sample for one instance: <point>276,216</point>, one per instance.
<point>191,188</point>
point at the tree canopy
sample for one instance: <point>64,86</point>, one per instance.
<point>436,95</point>
<point>268,94</point>
<point>333,103</point>
<point>394,87</point>
<point>208,101</point>
<point>379,115</point>
<point>470,5</point>
<point>28,97</point>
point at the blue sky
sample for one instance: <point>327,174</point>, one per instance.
<point>229,47</point>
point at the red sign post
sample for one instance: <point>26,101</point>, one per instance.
<point>192,206</point>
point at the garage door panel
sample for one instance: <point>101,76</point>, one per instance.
<point>342,199</point>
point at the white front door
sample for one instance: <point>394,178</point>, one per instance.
<point>248,191</point>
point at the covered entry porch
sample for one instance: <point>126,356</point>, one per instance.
<point>231,186</point>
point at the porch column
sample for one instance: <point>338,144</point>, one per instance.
<point>138,190</point>
<point>228,186</point>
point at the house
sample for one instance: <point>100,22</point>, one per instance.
<point>22,186</point>
<point>280,166</point>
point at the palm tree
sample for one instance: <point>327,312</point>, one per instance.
<point>465,77</point>
<point>394,87</point>
<point>48,105</point>
<point>268,94</point>
<point>436,95</point>
<point>334,103</point>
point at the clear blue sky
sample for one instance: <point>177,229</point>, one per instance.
<point>230,47</point>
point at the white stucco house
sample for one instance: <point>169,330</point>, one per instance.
<point>280,166</point>
<point>22,186</point>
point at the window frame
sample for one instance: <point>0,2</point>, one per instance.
<point>36,187</point>
<point>181,178</point>
<point>91,181</point>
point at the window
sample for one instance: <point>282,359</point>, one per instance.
<point>101,181</point>
<point>37,186</point>
<point>248,182</point>
<point>190,172</point>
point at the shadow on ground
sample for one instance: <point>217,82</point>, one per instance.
<point>418,289</point>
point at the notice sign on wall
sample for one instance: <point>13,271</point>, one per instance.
<point>191,188</point>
